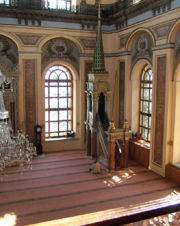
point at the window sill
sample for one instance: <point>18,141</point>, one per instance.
<point>142,143</point>
<point>60,139</point>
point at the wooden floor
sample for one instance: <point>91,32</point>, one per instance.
<point>60,185</point>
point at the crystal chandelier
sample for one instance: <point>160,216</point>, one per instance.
<point>14,150</point>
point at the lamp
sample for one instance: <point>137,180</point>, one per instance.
<point>6,84</point>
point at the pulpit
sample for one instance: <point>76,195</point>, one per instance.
<point>120,136</point>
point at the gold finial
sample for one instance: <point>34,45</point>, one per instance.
<point>126,125</point>
<point>111,127</point>
<point>99,9</point>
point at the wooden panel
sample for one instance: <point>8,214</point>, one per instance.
<point>121,159</point>
<point>131,150</point>
<point>160,109</point>
<point>30,98</point>
<point>172,173</point>
<point>139,153</point>
<point>121,93</point>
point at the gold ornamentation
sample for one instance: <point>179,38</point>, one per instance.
<point>111,127</point>
<point>126,125</point>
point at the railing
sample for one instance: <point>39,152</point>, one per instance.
<point>103,139</point>
<point>114,145</point>
<point>83,8</point>
<point>127,215</point>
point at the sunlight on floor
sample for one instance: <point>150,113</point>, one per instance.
<point>118,179</point>
<point>174,193</point>
<point>8,219</point>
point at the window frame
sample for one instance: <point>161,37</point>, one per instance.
<point>142,101</point>
<point>47,4</point>
<point>48,97</point>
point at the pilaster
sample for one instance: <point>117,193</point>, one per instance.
<point>30,81</point>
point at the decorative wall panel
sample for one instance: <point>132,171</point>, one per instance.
<point>88,43</point>
<point>162,30</point>
<point>29,39</point>
<point>121,93</point>
<point>123,40</point>
<point>30,98</point>
<point>142,48</point>
<point>60,49</point>
<point>8,55</point>
<point>160,109</point>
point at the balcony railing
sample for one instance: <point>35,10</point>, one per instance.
<point>116,13</point>
<point>65,6</point>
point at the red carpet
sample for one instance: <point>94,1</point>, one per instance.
<point>60,185</point>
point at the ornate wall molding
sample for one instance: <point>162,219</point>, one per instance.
<point>160,110</point>
<point>123,40</point>
<point>60,49</point>
<point>30,97</point>
<point>8,54</point>
<point>142,48</point>
<point>162,31</point>
<point>29,39</point>
<point>88,43</point>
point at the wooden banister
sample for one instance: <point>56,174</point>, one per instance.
<point>124,215</point>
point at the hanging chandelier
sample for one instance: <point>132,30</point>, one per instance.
<point>14,150</point>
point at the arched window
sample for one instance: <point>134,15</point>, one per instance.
<point>58,4</point>
<point>145,103</point>
<point>58,102</point>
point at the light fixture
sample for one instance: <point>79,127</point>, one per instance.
<point>14,150</point>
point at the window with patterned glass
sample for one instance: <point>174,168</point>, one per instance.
<point>58,102</point>
<point>145,103</point>
<point>58,4</point>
